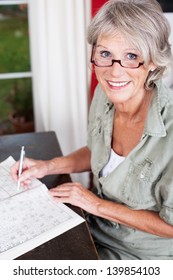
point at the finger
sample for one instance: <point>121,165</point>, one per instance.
<point>26,183</point>
<point>60,188</point>
<point>61,199</point>
<point>59,193</point>
<point>28,174</point>
<point>15,168</point>
<point>66,186</point>
<point>14,171</point>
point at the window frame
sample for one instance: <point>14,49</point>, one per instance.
<point>14,75</point>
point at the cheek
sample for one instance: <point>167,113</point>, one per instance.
<point>140,77</point>
<point>100,74</point>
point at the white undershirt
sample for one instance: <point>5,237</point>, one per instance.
<point>113,162</point>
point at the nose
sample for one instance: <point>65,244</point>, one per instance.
<point>116,69</point>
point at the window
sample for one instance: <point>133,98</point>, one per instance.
<point>16,102</point>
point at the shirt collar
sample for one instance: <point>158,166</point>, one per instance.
<point>154,124</point>
<point>108,106</point>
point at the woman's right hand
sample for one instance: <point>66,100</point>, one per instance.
<point>31,169</point>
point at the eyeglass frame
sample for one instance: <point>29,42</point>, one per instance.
<point>113,61</point>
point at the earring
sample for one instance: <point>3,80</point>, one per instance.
<point>152,70</point>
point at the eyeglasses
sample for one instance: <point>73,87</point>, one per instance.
<point>104,59</point>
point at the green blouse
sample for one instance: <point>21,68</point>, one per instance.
<point>144,180</point>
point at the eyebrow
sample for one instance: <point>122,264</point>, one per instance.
<point>101,46</point>
<point>129,49</point>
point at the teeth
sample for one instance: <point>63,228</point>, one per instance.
<point>118,84</point>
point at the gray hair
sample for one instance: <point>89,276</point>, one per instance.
<point>144,25</point>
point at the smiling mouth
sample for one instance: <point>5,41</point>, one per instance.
<point>117,84</point>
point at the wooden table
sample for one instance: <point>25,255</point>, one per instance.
<point>75,244</point>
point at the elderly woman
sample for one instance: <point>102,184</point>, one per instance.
<point>130,135</point>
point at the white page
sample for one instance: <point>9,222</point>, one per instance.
<point>30,217</point>
<point>8,187</point>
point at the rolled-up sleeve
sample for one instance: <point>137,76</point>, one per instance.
<point>95,111</point>
<point>164,194</point>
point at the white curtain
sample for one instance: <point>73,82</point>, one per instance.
<point>60,69</point>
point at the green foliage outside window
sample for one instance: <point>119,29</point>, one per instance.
<point>15,94</point>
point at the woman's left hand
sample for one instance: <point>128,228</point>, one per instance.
<point>77,195</point>
<point>148,221</point>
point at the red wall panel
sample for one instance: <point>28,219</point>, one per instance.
<point>95,6</point>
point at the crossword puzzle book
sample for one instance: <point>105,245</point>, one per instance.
<point>29,217</point>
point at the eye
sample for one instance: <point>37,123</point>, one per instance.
<point>105,54</point>
<point>131,56</point>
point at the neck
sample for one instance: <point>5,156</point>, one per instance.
<point>136,112</point>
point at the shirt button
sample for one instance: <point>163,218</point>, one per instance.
<point>142,175</point>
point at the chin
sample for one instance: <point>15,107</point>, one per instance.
<point>117,96</point>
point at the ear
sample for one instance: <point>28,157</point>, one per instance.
<point>152,67</point>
